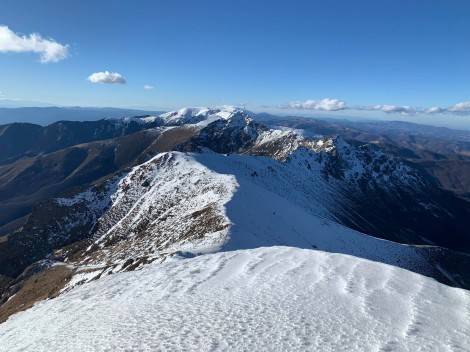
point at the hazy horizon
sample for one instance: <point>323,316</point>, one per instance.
<point>366,117</point>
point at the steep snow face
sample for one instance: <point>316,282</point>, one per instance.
<point>279,144</point>
<point>278,203</point>
<point>187,116</point>
<point>200,203</point>
<point>276,299</point>
<point>338,158</point>
<point>167,204</point>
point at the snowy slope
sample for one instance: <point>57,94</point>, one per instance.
<point>267,299</point>
<point>170,203</point>
<point>260,187</point>
<point>200,203</point>
<point>267,210</point>
<point>195,115</point>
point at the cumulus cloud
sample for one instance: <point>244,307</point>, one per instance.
<point>107,77</point>
<point>2,96</point>
<point>461,108</point>
<point>435,110</point>
<point>389,109</point>
<point>324,104</point>
<point>148,87</point>
<point>48,49</point>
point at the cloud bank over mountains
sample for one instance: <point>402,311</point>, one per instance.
<point>328,104</point>
<point>48,49</point>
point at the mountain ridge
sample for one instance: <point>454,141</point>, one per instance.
<point>226,182</point>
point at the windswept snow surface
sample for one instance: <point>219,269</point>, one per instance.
<point>265,299</point>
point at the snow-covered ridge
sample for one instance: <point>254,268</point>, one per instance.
<point>201,116</point>
<point>280,143</point>
<point>170,203</point>
<point>188,115</point>
<point>177,201</point>
<point>229,129</point>
<point>243,189</point>
<point>276,299</point>
<point>160,206</point>
<point>199,203</point>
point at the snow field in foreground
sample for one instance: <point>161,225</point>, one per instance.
<point>276,299</point>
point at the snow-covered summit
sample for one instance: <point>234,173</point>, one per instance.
<point>199,115</point>
<point>187,115</point>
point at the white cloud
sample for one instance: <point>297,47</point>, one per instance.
<point>148,87</point>
<point>2,97</point>
<point>49,49</point>
<point>435,110</point>
<point>461,108</point>
<point>324,104</point>
<point>106,77</point>
<point>395,109</point>
<point>389,109</point>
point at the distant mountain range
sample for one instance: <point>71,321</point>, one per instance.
<point>50,114</point>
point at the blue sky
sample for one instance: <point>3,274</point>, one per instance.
<point>265,54</point>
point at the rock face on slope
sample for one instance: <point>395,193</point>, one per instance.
<point>222,181</point>
<point>442,153</point>
<point>234,133</point>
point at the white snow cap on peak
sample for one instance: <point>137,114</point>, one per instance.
<point>201,115</point>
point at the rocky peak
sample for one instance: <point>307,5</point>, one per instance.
<point>233,131</point>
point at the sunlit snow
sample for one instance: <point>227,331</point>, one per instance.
<point>276,299</point>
